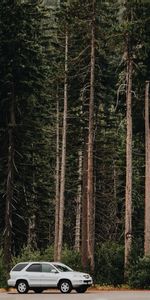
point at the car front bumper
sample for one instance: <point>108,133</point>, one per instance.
<point>77,283</point>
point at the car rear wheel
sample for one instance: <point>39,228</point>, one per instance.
<point>81,289</point>
<point>65,286</point>
<point>38,290</point>
<point>22,287</point>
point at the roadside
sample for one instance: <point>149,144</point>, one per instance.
<point>92,289</point>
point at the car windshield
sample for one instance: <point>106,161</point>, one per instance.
<point>62,268</point>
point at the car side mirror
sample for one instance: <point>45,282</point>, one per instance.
<point>54,271</point>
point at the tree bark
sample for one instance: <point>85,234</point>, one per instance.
<point>32,237</point>
<point>78,206</point>
<point>90,182</point>
<point>57,199</point>
<point>128,191</point>
<point>9,185</point>
<point>147,173</point>
<point>63,161</point>
<point>84,252</point>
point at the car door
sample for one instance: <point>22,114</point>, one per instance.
<point>49,276</point>
<point>34,274</point>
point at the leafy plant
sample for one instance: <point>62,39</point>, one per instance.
<point>27,254</point>
<point>48,254</point>
<point>139,273</point>
<point>2,271</point>
<point>109,264</point>
<point>71,258</point>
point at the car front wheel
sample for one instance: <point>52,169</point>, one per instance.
<point>65,286</point>
<point>81,289</point>
<point>22,287</point>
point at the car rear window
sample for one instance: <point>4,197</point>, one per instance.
<point>19,267</point>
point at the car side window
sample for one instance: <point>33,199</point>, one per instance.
<point>47,268</point>
<point>19,267</point>
<point>34,268</point>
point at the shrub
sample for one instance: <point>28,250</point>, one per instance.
<point>139,273</point>
<point>109,264</point>
<point>71,258</point>
<point>3,275</point>
<point>48,254</point>
<point>27,254</point>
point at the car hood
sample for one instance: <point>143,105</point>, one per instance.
<point>76,273</point>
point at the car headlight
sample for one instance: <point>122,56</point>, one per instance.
<point>86,276</point>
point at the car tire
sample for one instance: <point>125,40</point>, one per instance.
<point>38,290</point>
<point>81,289</point>
<point>22,286</point>
<point>65,286</point>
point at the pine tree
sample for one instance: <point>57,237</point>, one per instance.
<point>22,76</point>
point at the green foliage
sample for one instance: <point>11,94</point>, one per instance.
<point>109,264</point>
<point>27,254</point>
<point>139,273</point>
<point>48,254</point>
<point>2,271</point>
<point>23,76</point>
<point>71,258</point>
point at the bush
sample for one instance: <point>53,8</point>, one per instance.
<point>139,273</point>
<point>48,254</point>
<point>71,258</point>
<point>3,275</point>
<point>27,254</point>
<point>109,264</point>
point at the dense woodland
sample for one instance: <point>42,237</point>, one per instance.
<point>74,133</point>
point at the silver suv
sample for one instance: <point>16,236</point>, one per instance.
<point>39,276</point>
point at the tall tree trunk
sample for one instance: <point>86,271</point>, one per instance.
<point>90,175</point>
<point>63,161</point>
<point>147,173</point>
<point>32,238</point>
<point>88,202</point>
<point>128,192</point>
<point>78,206</point>
<point>9,185</point>
<point>84,210</point>
<point>57,199</point>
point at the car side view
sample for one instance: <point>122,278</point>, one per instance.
<point>39,276</point>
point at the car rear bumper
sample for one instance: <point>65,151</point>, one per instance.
<point>11,282</point>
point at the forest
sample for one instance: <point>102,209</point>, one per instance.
<point>75,136</point>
